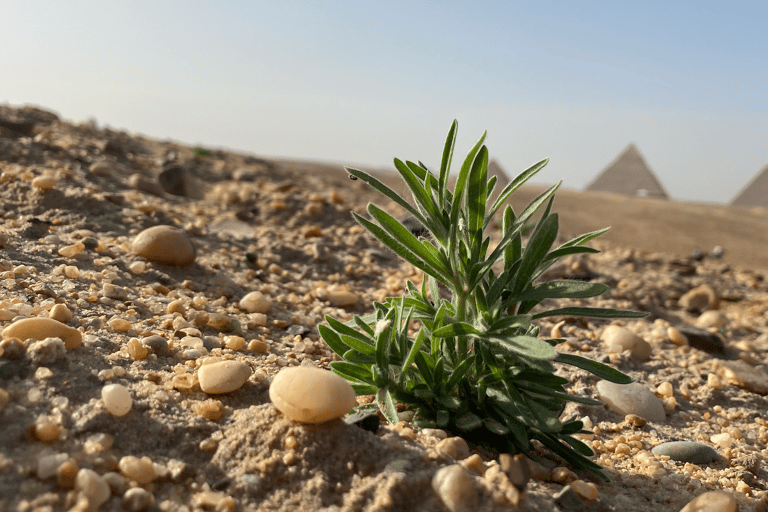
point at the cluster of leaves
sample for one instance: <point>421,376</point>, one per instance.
<point>476,366</point>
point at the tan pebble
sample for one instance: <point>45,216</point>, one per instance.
<point>176,306</point>
<point>635,420</point>
<point>40,328</point>
<point>185,381</point>
<point>258,346</point>
<point>712,501</point>
<point>61,313</point>
<point>700,298</point>
<point>257,320</point>
<point>712,318</point>
<point>48,464</point>
<point>676,337</point>
<point>119,324</point>
<point>46,182</point>
<point>101,167</point>
<point>223,377</point>
<point>342,298</point>
<point>66,475</point>
<point>714,381</point>
<point>255,302</point>
<point>12,348</point>
<point>517,469</point>
<point>311,395</point>
<point>642,350</point>
<point>47,431</point>
<point>585,490</point>
<point>93,487</point>
<point>723,440</point>
<point>618,339</point>
<point>166,245</point>
<point>562,475</point>
<point>234,342</point>
<point>70,251</point>
<point>71,271</point>
<point>456,488</point>
<point>223,322</point>
<point>140,470</point>
<point>137,350</point>
<point>665,389</point>
<point>456,447</point>
<point>210,409</point>
<point>137,499</point>
<point>117,399</point>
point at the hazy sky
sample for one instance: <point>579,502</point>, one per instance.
<point>362,82</point>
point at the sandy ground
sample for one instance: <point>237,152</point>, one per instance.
<point>283,228</point>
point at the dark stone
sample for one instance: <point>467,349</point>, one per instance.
<point>220,485</point>
<point>703,339</point>
<point>158,345</point>
<point>90,243</point>
<point>173,179</point>
<point>369,421</point>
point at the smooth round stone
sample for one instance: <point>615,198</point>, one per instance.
<point>342,298</point>
<point>223,376</point>
<point>619,337</point>
<point>455,488</point>
<point>687,451</point>
<point>631,399</point>
<point>166,245</point>
<point>712,501</point>
<point>744,375</point>
<point>311,395</point>
<point>712,318</point>
<point>92,486</point>
<point>117,399</point>
<point>255,302</point>
<point>41,328</point>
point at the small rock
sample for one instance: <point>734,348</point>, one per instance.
<point>144,184</point>
<point>687,451</point>
<point>699,299</point>
<point>744,375</point>
<point>342,298</point>
<point>456,447</point>
<point>46,351</point>
<point>618,338</point>
<point>91,485</point>
<point>585,490</point>
<point>103,167</point>
<point>117,399</point>
<point>311,395</point>
<point>702,339</point>
<point>516,468</point>
<point>223,376</point>
<point>114,292</point>
<point>712,318</point>
<point>40,328</point>
<point>712,501</point>
<point>137,499</point>
<point>45,182</point>
<point>166,245</point>
<point>456,488</point>
<point>255,302</point>
<point>157,344</point>
<point>369,421</point>
<point>631,399</point>
<point>174,180</point>
<point>140,470</point>
<point>49,464</point>
<point>61,313</point>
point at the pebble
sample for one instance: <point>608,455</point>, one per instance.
<point>46,351</point>
<point>70,251</point>
<point>712,501</point>
<point>631,398</point>
<point>40,328</point>
<point>46,182</point>
<point>585,490</point>
<point>93,487</point>
<point>342,298</point>
<point>516,468</point>
<point>114,292</point>
<point>311,395</point>
<point>687,451</point>
<point>157,344</point>
<point>101,167</point>
<point>140,470</point>
<point>223,376</point>
<point>60,313</point>
<point>712,318</point>
<point>456,488</point>
<point>702,339</point>
<point>137,499</point>
<point>456,447</point>
<point>117,399</point>
<point>49,464</point>
<point>699,299</point>
<point>255,302</point>
<point>744,375</point>
<point>676,337</point>
<point>166,245</point>
<point>618,339</point>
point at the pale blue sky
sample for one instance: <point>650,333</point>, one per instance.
<point>363,82</point>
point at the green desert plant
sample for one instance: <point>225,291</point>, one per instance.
<point>473,363</point>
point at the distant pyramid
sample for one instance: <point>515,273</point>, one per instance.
<point>629,174</point>
<point>754,193</point>
<point>502,179</point>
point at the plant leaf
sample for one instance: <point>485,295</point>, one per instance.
<point>591,312</point>
<point>353,372</point>
<point>475,197</point>
<point>525,345</point>
<point>445,163</point>
<point>461,181</point>
<point>387,405</point>
<point>598,369</point>
<point>563,289</point>
<point>455,329</point>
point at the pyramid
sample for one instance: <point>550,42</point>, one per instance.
<point>629,174</point>
<point>502,179</point>
<point>754,193</point>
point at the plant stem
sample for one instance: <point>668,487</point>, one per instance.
<point>461,316</point>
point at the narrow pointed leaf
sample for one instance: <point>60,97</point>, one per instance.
<point>598,369</point>
<point>563,289</point>
<point>591,312</point>
<point>445,163</point>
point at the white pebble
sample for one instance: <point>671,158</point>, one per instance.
<point>455,488</point>
<point>255,302</point>
<point>94,487</point>
<point>631,399</point>
<point>223,377</point>
<point>311,395</point>
<point>117,399</point>
<point>47,465</point>
<point>712,501</point>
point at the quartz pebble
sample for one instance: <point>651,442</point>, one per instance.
<point>255,302</point>
<point>712,501</point>
<point>61,313</point>
<point>137,499</point>
<point>456,447</point>
<point>744,375</point>
<point>166,245</point>
<point>712,318</point>
<point>140,470</point>
<point>223,376</point>
<point>93,487</point>
<point>117,399</point>
<point>631,399</point>
<point>341,298</point>
<point>311,395</point>
<point>687,451</point>
<point>40,328</point>
<point>49,464</point>
<point>618,339</point>
<point>456,488</point>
